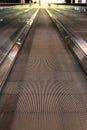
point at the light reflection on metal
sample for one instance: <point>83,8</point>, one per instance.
<point>8,62</point>
<point>1,20</point>
<point>82,44</point>
<point>13,52</point>
<point>1,8</point>
<point>84,47</point>
<point>19,43</point>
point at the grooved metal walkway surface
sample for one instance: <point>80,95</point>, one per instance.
<point>47,89</point>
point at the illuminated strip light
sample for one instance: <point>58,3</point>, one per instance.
<point>83,1</point>
<point>57,9</point>
<point>30,21</point>
<point>49,13</point>
<point>27,10</point>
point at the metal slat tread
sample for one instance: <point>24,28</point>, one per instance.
<point>47,89</point>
